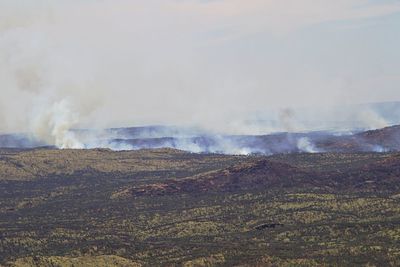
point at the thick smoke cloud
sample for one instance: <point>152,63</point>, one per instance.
<point>52,123</point>
<point>224,66</point>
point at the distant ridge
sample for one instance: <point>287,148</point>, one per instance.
<point>134,138</point>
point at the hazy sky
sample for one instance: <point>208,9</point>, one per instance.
<point>114,62</point>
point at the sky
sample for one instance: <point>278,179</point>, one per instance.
<point>209,63</point>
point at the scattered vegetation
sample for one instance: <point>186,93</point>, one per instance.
<point>167,207</point>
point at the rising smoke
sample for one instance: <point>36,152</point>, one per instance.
<point>66,65</point>
<point>53,122</point>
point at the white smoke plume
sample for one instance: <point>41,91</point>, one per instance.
<point>53,122</point>
<point>371,119</point>
<point>379,149</point>
<point>219,65</point>
<point>304,144</point>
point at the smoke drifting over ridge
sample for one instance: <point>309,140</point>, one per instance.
<point>217,65</point>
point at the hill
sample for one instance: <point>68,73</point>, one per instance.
<point>167,207</point>
<point>197,141</point>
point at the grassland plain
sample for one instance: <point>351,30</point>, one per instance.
<point>171,208</point>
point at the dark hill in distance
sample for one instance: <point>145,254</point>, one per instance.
<point>380,140</point>
<point>154,137</point>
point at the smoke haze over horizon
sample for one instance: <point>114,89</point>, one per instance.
<point>228,66</point>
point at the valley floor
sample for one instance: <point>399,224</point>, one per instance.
<point>167,207</point>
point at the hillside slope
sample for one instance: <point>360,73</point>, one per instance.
<point>167,207</point>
